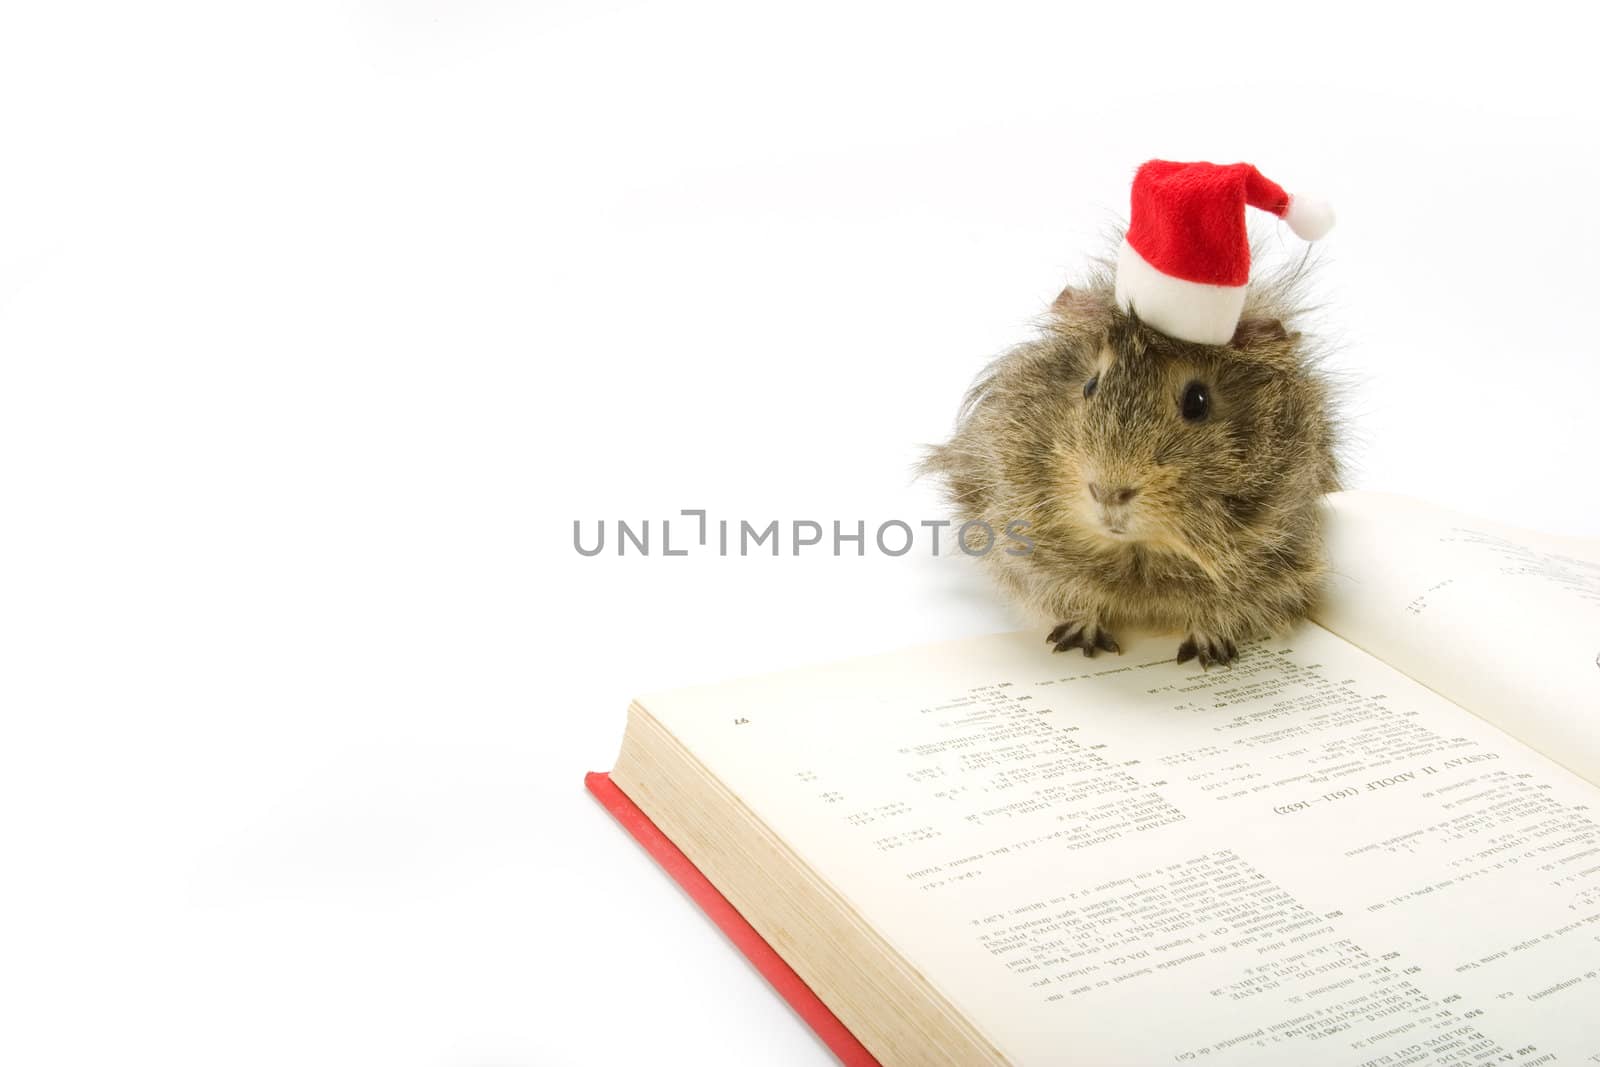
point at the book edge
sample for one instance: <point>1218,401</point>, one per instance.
<point>784,981</point>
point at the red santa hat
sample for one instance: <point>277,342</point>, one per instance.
<point>1185,260</point>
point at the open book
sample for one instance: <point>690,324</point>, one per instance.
<point>1372,842</point>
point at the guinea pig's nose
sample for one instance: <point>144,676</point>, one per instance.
<point>1119,495</point>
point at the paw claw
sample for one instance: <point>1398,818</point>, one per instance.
<point>1208,650</point>
<point>1088,636</point>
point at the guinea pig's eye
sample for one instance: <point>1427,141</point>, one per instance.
<point>1090,386</point>
<point>1196,401</point>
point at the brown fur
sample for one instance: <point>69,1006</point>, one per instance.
<point>1223,538</point>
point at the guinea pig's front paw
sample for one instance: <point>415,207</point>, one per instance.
<point>1089,636</point>
<point>1209,649</point>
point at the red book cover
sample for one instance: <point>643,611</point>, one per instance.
<point>744,937</point>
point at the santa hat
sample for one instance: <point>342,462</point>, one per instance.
<point>1186,258</point>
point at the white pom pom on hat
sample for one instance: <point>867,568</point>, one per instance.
<point>1310,217</point>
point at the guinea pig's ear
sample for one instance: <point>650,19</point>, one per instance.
<point>1076,311</point>
<point>1255,332</point>
<point>1072,301</point>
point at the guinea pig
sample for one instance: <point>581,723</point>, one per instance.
<point>1165,485</point>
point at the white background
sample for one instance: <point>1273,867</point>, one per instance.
<point>320,324</point>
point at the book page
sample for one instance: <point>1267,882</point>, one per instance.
<point>1306,859</point>
<point>1503,622</point>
